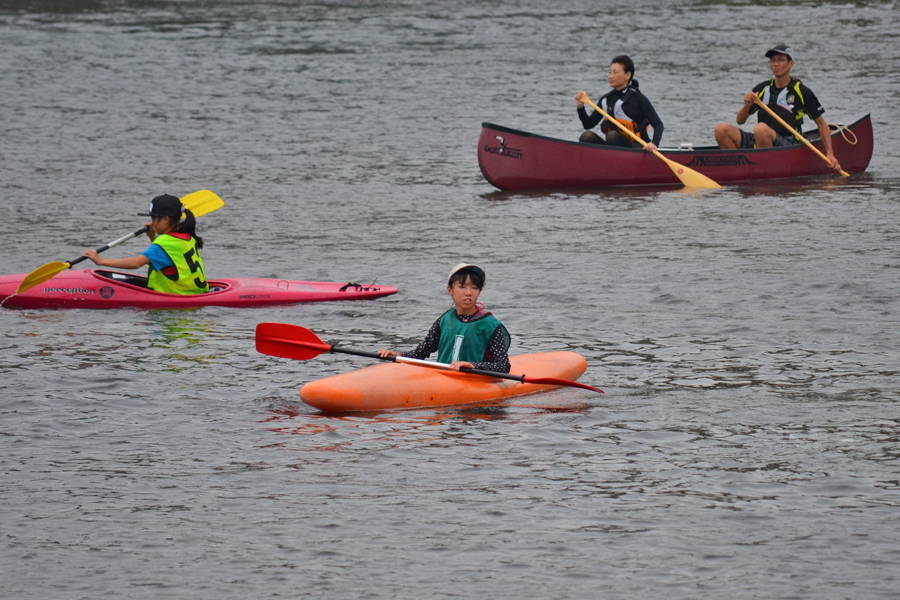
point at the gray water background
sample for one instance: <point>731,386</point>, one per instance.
<point>747,443</point>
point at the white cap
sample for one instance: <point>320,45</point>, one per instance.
<point>462,266</point>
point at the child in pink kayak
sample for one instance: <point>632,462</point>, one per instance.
<point>174,256</point>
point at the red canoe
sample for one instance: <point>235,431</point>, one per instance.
<point>90,288</point>
<point>517,160</point>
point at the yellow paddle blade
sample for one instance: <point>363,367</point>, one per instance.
<point>689,177</point>
<point>42,274</point>
<point>202,202</point>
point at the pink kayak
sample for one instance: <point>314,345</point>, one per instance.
<point>90,288</point>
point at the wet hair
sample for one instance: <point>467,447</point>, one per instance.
<point>187,225</point>
<point>626,63</point>
<point>463,274</point>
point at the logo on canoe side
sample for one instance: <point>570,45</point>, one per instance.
<point>107,292</point>
<point>503,149</point>
<point>719,161</point>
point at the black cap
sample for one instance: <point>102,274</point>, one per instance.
<point>781,49</point>
<point>164,206</point>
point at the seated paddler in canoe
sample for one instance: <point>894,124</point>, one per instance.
<point>466,335</point>
<point>627,105</point>
<point>175,264</point>
<point>786,97</point>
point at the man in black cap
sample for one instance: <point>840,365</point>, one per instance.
<point>789,99</point>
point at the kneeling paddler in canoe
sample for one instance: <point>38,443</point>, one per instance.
<point>466,335</point>
<point>175,264</point>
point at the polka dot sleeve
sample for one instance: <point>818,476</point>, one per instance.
<point>428,345</point>
<point>499,359</point>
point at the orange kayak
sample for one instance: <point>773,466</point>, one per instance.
<point>388,386</point>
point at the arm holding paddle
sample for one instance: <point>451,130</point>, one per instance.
<point>299,343</point>
<point>688,176</point>
<point>825,134</point>
<point>466,336</point>
<point>133,262</point>
<point>788,95</point>
<point>497,349</point>
<point>744,113</point>
<point>581,98</point>
<point>457,365</point>
<point>823,131</point>
<point>199,203</point>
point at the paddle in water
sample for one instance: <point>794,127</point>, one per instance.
<point>688,177</point>
<point>199,203</point>
<point>299,343</point>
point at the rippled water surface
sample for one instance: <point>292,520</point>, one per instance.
<point>747,445</point>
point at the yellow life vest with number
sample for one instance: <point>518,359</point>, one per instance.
<point>187,276</point>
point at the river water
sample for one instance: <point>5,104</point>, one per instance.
<point>747,443</point>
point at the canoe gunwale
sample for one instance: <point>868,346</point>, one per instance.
<point>666,150</point>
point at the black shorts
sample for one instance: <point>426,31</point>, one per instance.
<point>748,140</point>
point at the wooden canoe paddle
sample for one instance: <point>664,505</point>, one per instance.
<point>299,343</point>
<point>796,135</point>
<point>688,177</point>
<point>199,203</point>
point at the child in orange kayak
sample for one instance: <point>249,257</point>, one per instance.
<point>465,335</point>
<point>174,255</point>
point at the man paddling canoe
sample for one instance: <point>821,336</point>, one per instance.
<point>789,99</point>
<point>174,256</point>
<point>466,335</point>
<point>627,105</point>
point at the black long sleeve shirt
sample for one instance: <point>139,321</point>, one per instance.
<point>637,107</point>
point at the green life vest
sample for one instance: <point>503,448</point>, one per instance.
<point>467,341</point>
<point>188,276</point>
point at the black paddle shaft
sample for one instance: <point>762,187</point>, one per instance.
<point>340,350</point>
<point>143,229</point>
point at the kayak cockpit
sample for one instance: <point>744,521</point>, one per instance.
<point>141,282</point>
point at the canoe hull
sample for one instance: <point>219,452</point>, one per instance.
<point>518,160</point>
<point>102,289</point>
<point>392,386</point>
